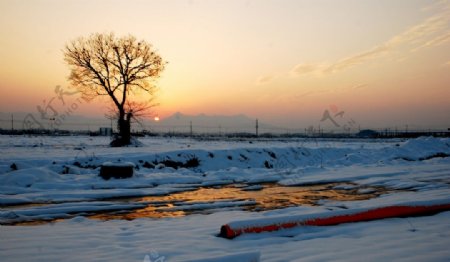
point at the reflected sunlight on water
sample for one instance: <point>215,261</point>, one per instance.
<point>241,197</point>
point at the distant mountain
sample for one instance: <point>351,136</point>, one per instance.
<point>177,122</point>
<point>210,123</point>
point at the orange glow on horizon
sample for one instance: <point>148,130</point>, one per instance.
<point>280,62</point>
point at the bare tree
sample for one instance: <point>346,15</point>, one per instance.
<point>120,68</point>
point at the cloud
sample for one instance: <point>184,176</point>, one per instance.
<point>262,80</point>
<point>418,33</point>
<point>315,69</point>
<point>431,32</point>
<point>303,69</point>
<point>437,41</point>
<point>417,36</point>
<point>356,59</point>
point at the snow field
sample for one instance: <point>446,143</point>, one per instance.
<point>58,178</point>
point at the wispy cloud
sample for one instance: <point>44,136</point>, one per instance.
<point>356,59</point>
<point>419,33</point>
<point>303,69</point>
<point>437,41</point>
<point>265,79</point>
<point>414,38</point>
<point>433,31</point>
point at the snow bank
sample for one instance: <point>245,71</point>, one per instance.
<point>28,177</point>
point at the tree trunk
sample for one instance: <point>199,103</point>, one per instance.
<point>126,134</point>
<point>124,126</point>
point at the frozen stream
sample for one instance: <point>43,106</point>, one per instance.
<point>204,200</point>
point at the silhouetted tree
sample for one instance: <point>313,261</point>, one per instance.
<point>117,67</point>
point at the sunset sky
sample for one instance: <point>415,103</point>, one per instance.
<point>385,63</point>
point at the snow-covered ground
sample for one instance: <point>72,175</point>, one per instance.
<point>46,178</point>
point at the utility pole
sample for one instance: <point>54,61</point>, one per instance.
<point>256,127</point>
<point>190,126</point>
<point>12,122</point>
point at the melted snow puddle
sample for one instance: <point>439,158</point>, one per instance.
<point>259,197</point>
<point>204,200</point>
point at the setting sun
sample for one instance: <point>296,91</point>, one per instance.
<point>385,63</point>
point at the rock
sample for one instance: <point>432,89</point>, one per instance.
<point>13,166</point>
<point>116,170</point>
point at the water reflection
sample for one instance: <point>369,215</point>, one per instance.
<point>242,197</point>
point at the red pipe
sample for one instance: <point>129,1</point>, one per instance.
<point>229,232</point>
